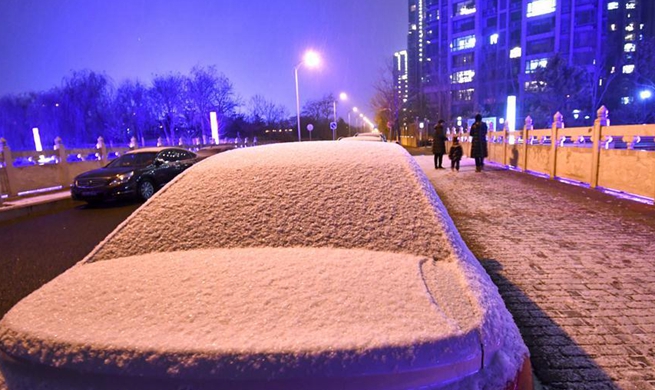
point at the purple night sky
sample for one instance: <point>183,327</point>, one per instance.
<point>256,43</point>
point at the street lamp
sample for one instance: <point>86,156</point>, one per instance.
<point>342,96</point>
<point>355,110</point>
<point>644,95</point>
<point>311,59</point>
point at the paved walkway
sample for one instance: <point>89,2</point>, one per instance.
<point>575,267</point>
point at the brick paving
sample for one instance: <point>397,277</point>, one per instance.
<point>575,267</point>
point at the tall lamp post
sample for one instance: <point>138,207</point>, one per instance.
<point>311,59</point>
<point>343,96</point>
<point>355,110</point>
<point>644,95</point>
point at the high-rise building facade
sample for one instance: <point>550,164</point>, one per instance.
<point>468,56</point>
<point>401,86</point>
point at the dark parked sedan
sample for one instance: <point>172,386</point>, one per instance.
<point>136,174</point>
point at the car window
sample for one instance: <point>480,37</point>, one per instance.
<point>127,160</point>
<point>145,159</point>
<point>171,155</point>
<point>186,155</point>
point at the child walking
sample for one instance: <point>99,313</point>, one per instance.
<point>455,155</point>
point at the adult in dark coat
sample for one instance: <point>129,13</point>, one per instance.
<point>479,142</point>
<point>439,144</point>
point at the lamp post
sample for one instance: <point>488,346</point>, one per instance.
<point>310,59</point>
<point>355,110</point>
<point>644,95</point>
<point>343,96</point>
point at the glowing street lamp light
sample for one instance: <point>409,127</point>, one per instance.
<point>342,96</point>
<point>311,59</point>
<point>645,94</point>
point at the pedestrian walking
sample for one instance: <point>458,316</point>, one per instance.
<point>439,144</point>
<point>455,155</point>
<point>479,142</point>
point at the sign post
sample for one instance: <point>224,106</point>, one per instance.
<point>310,127</point>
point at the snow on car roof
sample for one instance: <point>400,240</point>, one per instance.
<point>310,194</point>
<point>354,228</point>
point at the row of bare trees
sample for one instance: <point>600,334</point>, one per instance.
<point>172,106</point>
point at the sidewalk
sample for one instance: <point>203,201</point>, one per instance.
<point>22,207</point>
<point>575,267</point>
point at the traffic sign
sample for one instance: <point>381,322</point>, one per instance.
<point>310,127</point>
<point>333,126</point>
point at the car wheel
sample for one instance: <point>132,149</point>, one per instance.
<point>146,189</point>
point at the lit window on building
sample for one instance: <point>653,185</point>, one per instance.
<point>630,27</point>
<point>627,69</point>
<point>464,8</point>
<point>613,27</point>
<point>629,37</point>
<point>515,53</point>
<point>414,27</point>
<point>464,94</point>
<point>630,5</point>
<point>465,76</point>
<point>541,7</point>
<point>626,100</point>
<point>534,86</point>
<point>467,42</point>
<point>612,5</point>
<point>493,39</point>
<point>412,8</point>
<point>532,65</point>
<point>629,47</point>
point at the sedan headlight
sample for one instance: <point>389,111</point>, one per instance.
<point>122,179</point>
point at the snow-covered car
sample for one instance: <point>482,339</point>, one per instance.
<point>372,136</point>
<point>314,265</point>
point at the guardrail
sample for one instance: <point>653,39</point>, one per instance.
<point>26,172</point>
<point>618,158</point>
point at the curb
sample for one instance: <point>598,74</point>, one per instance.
<point>10,212</point>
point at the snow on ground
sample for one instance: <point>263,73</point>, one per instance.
<point>422,286</point>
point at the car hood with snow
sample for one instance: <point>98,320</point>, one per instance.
<point>312,265</point>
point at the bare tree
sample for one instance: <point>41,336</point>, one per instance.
<point>558,87</point>
<point>319,110</point>
<point>386,101</point>
<point>85,105</point>
<point>208,90</point>
<point>13,120</point>
<point>265,111</point>
<point>167,98</point>
<point>133,112</point>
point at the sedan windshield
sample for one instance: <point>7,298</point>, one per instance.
<point>133,160</point>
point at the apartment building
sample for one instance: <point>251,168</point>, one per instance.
<point>468,56</point>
